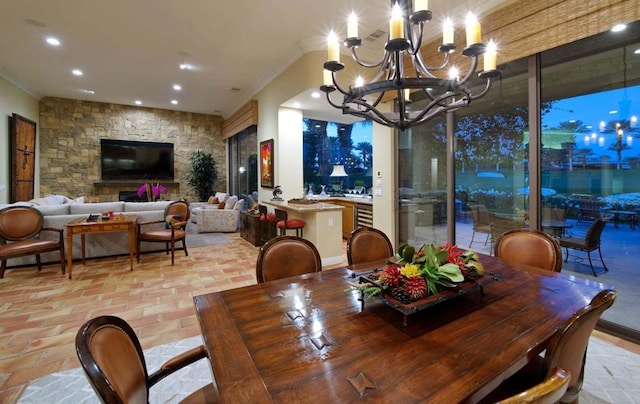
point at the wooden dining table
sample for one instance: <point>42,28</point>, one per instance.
<point>309,339</point>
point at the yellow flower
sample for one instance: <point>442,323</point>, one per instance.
<point>410,270</point>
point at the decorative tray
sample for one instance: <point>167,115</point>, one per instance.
<point>421,304</point>
<point>300,201</point>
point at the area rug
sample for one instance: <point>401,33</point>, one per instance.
<point>611,376</point>
<point>195,239</point>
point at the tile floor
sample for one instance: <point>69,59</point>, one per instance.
<point>40,313</point>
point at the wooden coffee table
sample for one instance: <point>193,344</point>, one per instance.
<point>83,227</point>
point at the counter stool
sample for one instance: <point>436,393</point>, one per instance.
<point>285,224</point>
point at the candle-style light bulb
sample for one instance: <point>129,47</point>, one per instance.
<point>327,78</point>
<point>396,23</point>
<point>447,31</point>
<point>453,73</point>
<point>333,48</point>
<point>490,56</point>
<point>421,5</point>
<point>473,30</point>
<point>359,82</point>
<point>352,26</point>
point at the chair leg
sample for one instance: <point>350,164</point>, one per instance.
<point>566,259</point>
<point>62,263</point>
<point>601,260</point>
<point>487,239</point>
<point>38,262</point>
<point>173,250</point>
<point>184,247</point>
<point>590,263</point>
<point>472,236</point>
<point>3,266</point>
<point>138,248</point>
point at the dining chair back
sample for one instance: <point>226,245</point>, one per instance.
<point>568,346</point>
<point>549,391</point>
<point>285,256</point>
<point>589,243</point>
<point>367,244</point>
<point>20,231</point>
<point>176,219</point>
<point>113,361</point>
<point>529,247</point>
<point>481,222</point>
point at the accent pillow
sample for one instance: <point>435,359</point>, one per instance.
<point>213,200</point>
<point>172,219</point>
<point>231,202</point>
<point>221,205</point>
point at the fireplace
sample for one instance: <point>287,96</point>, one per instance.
<point>131,196</point>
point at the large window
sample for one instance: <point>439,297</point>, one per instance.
<point>337,157</point>
<point>243,163</point>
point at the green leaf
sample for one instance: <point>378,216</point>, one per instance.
<point>451,272</point>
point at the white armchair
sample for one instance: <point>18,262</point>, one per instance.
<point>213,220</point>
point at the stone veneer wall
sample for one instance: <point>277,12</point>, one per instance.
<point>70,133</point>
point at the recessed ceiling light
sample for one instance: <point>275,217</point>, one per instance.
<point>88,91</point>
<point>637,51</point>
<point>296,105</point>
<point>315,94</point>
<point>137,102</point>
<point>77,72</point>
<point>613,111</point>
<point>618,28</point>
<point>177,87</point>
<point>53,41</point>
<point>174,102</point>
<point>185,66</point>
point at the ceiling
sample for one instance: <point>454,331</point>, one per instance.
<point>131,50</point>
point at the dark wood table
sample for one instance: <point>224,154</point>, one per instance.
<point>305,339</point>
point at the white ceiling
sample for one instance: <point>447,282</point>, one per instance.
<point>131,49</point>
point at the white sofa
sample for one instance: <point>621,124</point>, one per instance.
<point>97,245</point>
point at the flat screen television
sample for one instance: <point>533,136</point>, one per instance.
<point>132,160</point>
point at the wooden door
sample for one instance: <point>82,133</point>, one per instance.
<point>23,158</point>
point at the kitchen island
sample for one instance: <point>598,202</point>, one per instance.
<point>323,226</point>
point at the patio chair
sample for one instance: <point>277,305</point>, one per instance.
<point>590,242</point>
<point>481,222</point>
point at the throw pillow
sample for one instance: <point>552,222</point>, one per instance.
<point>231,202</point>
<point>213,200</point>
<point>221,205</point>
<point>172,219</point>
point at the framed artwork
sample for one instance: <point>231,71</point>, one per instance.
<point>266,164</point>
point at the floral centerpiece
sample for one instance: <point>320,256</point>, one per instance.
<point>419,274</point>
<point>153,192</point>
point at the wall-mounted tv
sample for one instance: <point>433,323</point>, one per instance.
<point>132,160</point>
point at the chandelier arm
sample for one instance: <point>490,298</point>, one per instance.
<point>472,69</point>
<point>337,106</point>
<point>417,44</point>
<point>337,86</point>
<point>354,54</point>
<point>371,112</point>
<point>427,69</point>
<point>486,89</point>
<point>383,68</point>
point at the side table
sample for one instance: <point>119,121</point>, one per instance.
<point>250,228</point>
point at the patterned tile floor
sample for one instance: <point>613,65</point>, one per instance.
<point>40,314</point>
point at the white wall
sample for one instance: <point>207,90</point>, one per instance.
<point>14,100</point>
<point>289,150</point>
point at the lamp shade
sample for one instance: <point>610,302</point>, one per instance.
<point>338,171</point>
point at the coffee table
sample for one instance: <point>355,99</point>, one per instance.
<point>83,227</point>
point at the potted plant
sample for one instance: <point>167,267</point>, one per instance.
<point>202,173</point>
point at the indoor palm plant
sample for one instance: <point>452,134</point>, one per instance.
<point>202,173</point>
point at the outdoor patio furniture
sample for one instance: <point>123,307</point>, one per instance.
<point>481,222</point>
<point>590,242</point>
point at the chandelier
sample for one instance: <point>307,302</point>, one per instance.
<point>406,28</point>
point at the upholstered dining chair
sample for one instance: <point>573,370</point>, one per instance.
<point>285,256</point>
<point>590,242</point>
<point>549,391</point>
<point>368,244</point>
<point>529,247</point>
<point>176,218</point>
<point>20,230</point>
<point>113,361</point>
<point>566,349</point>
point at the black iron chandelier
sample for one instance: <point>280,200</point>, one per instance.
<point>406,28</point>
